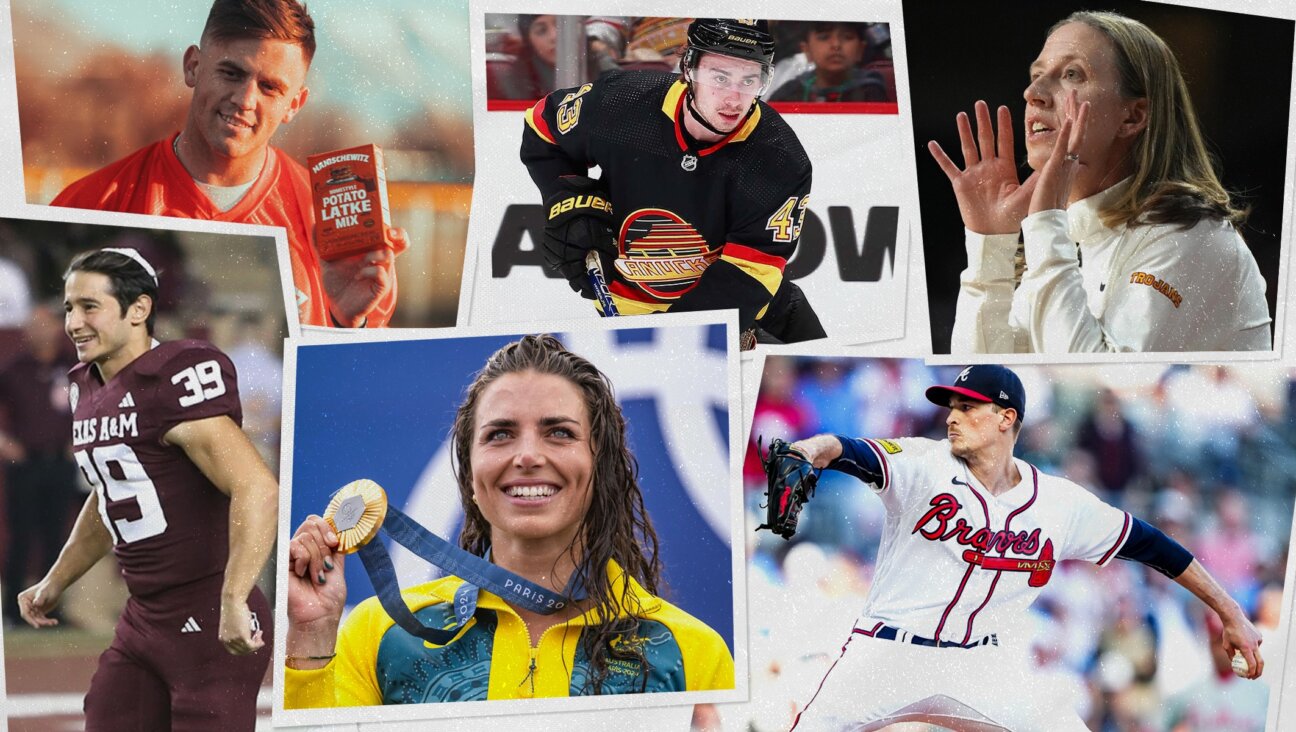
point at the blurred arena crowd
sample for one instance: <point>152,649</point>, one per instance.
<point>1206,453</point>
<point>814,61</point>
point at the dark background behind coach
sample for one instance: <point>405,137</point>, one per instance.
<point>1238,70</point>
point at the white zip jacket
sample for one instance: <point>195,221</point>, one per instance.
<point>1152,287</point>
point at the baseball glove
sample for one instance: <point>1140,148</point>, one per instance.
<point>791,482</point>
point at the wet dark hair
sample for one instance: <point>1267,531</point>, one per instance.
<point>615,527</point>
<point>127,279</point>
<point>280,20</point>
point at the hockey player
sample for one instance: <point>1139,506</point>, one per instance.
<point>703,187</point>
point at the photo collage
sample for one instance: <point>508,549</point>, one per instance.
<point>497,365</point>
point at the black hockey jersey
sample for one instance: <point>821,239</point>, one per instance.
<point>701,226</point>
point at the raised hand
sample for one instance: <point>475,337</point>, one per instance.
<point>1053,189</point>
<point>316,590</point>
<point>991,198</point>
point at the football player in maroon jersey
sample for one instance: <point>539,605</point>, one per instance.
<point>182,498</point>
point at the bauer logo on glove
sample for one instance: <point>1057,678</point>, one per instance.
<point>791,482</point>
<point>579,221</point>
<point>576,202</point>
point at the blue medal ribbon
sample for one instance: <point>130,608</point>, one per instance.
<point>476,572</point>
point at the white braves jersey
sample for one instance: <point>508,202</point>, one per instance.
<point>957,563</point>
<point>1151,287</point>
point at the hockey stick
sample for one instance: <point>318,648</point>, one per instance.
<point>594,269</point>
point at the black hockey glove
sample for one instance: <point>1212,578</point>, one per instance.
<point>789,317</point>
<point>578,219</point>
<point>791,482</point>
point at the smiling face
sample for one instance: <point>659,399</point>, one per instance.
<point>973,425</point>
<point>532,463</point>
<point>103,331</point>
<point>724,90</point>
<point>1078,58</point>
<point>242,91</point>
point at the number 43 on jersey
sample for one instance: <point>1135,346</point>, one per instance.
<point>785,223</point>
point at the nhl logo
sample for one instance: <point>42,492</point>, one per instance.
<point>74,395</point>
<point>689,163</point>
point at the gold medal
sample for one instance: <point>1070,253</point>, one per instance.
<point>356,513</point>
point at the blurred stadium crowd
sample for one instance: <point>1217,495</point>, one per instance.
<point>814,61</point>
<point>1206,453</point>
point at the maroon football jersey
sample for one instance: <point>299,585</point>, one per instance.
<point>170,525</point>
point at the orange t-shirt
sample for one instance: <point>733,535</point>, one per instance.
<point>152,180</point>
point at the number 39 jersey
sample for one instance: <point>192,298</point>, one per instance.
<point>983,559</point>
<point>168,522</point>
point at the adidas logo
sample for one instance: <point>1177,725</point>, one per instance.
<point>127,402</point>
<point>190,626</point>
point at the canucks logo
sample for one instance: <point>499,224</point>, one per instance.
<point>662,253</point>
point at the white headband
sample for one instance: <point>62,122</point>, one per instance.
<point>135,255</point>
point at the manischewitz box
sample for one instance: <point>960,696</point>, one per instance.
<point>349,192</point>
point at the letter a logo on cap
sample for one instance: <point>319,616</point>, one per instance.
<point>963,375</point>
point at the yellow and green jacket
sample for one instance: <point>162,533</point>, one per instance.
<point>377,662</point>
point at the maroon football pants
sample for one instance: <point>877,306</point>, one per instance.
<point>166,668</point>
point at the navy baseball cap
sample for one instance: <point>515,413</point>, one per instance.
<point>984,383</point>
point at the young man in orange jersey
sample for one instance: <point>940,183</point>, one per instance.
<point>248,76</point>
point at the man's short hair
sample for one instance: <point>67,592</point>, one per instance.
<point>280,20</point>
<point>127,278</point>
